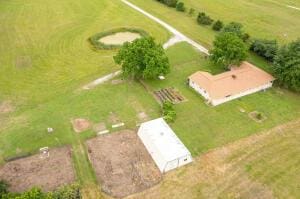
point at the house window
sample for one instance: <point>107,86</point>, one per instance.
<point>185,159</point>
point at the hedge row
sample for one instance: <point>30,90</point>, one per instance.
<point>97,45</point>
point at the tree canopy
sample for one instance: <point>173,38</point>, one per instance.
<point>236,28</point>
<point>265,48</point>
<point>287,65</point>
<point>143,59</point>
<point>228,49</point>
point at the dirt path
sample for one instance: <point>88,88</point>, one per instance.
<point>293,7</point>
<point>178,35</point>
<point>101,80</point>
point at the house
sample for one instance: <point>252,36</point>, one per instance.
<point>167,151</point>
<point>233,84</point>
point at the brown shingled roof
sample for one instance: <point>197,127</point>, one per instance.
<point>237,80</point>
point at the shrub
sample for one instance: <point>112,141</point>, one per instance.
<point>203,19</point>
<point>218,25</point>
<point>259,116</point>
<point>170,3</point>
<point>69,191</point>
<point>180,7</point>
<point>191,11</point>
<point>236,28</point>
<point>3,188</point>
<point>245,37</point>
<point>168,111</point>
<point>287,65</point>
<point>265,48</point>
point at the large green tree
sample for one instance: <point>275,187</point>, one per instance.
<point>287,65</point>
<point>143,59</point>
<point>228,49</point>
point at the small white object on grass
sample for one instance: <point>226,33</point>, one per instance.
<point>103,132</point>
<point>161,77</point>
<point>117,125</point>
<point>44,152</point>
<point>50,130</point>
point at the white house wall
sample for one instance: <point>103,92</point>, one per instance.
<point>184,160</point>
<point>199,89</point>
<point>248,92</point>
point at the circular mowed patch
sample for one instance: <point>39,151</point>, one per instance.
<point>115,38</point>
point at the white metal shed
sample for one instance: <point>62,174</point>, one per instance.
<point>167,151</point>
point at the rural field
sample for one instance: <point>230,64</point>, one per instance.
<point>249,168</point>
<point>46,59</point>
<point>261,18</point>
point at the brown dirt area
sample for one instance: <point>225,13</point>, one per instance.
<point>120,38</point>
<point>6,107</point>
<point>23,62</point>
<point>117,81</point>
<point>221,173</point>
<point>99,127</point>
<point>138,107</point>
<point>122,164</point>
<point>46,173</point>
<point>80,125</point>
<point>114,118</point>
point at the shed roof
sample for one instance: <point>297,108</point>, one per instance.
<point>164,139</point>
<point>235,81</point>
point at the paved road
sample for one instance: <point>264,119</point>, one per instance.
<point>178,35</point>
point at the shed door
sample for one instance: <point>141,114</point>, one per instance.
<point>185,160</point>
<point>171,165</point>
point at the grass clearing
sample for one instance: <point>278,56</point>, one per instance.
<point>202,127</point>
<point>48,41</point>
<point>264,165</point>
<point>261,18</point>
<point>45,58</point>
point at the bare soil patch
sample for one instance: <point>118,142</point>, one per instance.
<point>141,113</point>
<point>99,127</point>
<point>114,118</point>
<point>23,62</point>
<point>169,94</point>
<point>120,38</point>
<point>80,125</point>
<point>46,173</point>
<point>122,164</point>
<point>257,116</point>
<point>6,107</point>
<point>117,81</point>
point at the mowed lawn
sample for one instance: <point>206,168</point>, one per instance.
<point>265,165</point>
<point>45,58</point>
<point>202,127</point>
<point>44,49</point>
<point>267,19</point>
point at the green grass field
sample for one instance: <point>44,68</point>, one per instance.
<point>260,166</point>
<point>202,127</point>
<point>45,59</point>
<point>261,18</point>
